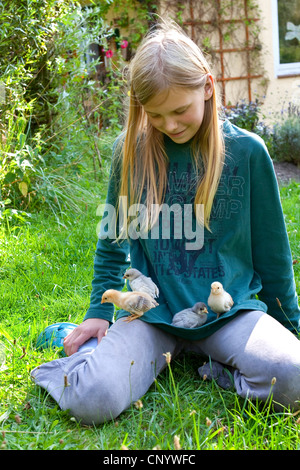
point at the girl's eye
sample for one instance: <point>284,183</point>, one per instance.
<point>181,111</point>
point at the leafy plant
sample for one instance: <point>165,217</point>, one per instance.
<point>282,139</point>
<point>244,115</point>
<point>286,136</point>
<point>46,135</point>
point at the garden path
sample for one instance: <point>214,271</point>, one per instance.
<point>286,172</point>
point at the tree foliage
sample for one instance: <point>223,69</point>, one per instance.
<point>43,50</point>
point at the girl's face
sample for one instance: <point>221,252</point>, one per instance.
<point>178,112</point>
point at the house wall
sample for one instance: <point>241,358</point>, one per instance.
<point>280,91</point>
<point>275,93</point>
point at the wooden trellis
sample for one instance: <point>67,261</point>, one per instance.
<point>199,16</point>
<point>228,31</point>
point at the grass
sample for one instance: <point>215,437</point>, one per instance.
<point>45,276</point>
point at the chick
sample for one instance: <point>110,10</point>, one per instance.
<point>219,300</point>
<point>191,317</point>
<point>140,283</point>
<point>136,303</point>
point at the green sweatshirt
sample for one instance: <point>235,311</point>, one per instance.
<point>246,249</point>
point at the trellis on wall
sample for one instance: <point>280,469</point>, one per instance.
<point>228,30</point>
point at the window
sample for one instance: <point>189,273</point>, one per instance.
<point>286,37</point>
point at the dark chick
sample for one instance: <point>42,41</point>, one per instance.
<point>191,317</point>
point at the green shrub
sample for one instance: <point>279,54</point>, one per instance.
<point>286,137</point>
<point>46,135</point>
<point>243,114</point>
<point>282,139</point>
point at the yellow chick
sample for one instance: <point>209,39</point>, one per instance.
<point>136,303</point>
<point>219,300</point>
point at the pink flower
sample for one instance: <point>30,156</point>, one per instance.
<point>109,53</point>
<point>124,44</point>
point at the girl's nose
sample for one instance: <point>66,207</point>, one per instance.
<point>170,125</point>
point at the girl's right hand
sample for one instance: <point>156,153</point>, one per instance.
<point>90,328</point>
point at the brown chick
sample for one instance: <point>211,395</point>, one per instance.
<point>219,300</point>
<point>136,303</point>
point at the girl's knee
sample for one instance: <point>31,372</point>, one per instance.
<point>94,403</point>
<point>286,386</point>
<point>277,381</point>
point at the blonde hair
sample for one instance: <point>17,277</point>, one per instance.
<point>168,58</point>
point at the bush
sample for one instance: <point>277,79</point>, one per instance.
<point>47,136</point>
<point>282,139</point>
<point>286,137</point>
<point>244,115</point>
<point>247,116</point>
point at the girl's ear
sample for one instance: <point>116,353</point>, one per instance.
<point>208,87</point>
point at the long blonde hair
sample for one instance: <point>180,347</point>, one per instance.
<point>168,58</point>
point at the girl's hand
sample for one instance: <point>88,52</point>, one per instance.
<point>91,328</point>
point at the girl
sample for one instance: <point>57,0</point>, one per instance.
<point>177,155</point>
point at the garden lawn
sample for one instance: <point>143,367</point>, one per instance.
<point>45,276</point>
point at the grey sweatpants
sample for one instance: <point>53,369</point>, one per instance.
<point>98,384</point>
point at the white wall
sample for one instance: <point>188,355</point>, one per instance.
<point>280,91</point>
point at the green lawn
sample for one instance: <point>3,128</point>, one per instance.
<point>45,276</point>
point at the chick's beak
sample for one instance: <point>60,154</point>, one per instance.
<point>204,310</point>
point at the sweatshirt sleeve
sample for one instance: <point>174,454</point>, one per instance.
<point>272,257</point>
<point>111,257</point>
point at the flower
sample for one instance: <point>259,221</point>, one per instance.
<point>208,421</point>
<point>124,44</point>
<point>168,357</point>
<point>177,443</point>
<point>109,53</point>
